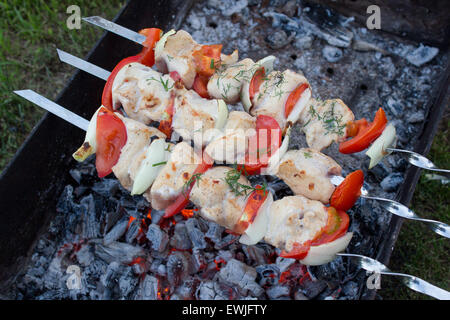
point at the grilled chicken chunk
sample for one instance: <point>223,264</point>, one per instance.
<point>143,92</point>
<point>216,200</point>
<point>177,56</point>
<point>194,114</point>
<point>324,122</point>
<point>173,178</point>
<point>273,93</point>
<point>294,219</point>
<point>307,172</point>
<point>133,152</point>
<point>226,83</point>
<point>231,146</point>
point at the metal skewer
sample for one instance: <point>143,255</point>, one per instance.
<point>115,28</point>
<point>366,263</point>
<point>401,210</point>
<point>410,281</point>
<point>420,161</point>
<point>83,65</point>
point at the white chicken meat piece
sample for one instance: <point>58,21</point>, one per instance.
<point>273,93</point>
<point>232,145</point>
<point>307,172</point>
<point>143,92</point>
<point>133,152</point>
<point>194,117</point>
<point>173,178</point>
<point>177,56</point>
<point>217,202</point>
<point>226,82</point>
<point>294,219</point>
<point>324,122</point>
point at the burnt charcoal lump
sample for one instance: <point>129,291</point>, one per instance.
<point>392,182</point>
<point>157,237</point>
<point>242,275</point>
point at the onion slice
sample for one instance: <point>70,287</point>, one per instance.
<point>222,114</point>
<point>275,159</point>
<point>89,145</point>
<point>267,63</point>
<point>159,47</point>
<point>377,150</point>
<point>154,161</point>
<point>326,252</point>
<point>258,228</point>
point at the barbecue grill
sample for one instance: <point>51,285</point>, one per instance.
<point>362,76</point>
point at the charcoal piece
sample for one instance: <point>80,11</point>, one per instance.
<point>311,288</point>
<point>53,278</point>
<point>279,39</point>
<point>198,259</point>
<point>85,256</point>
<point>90,224</point>
<point>112,216</point>
<point>226,241</point>
<point>195,234</point>
<point>214,232</point>
<point>148,289</point>
<point>268,274</point>
<point>133,230</point>
<point>117,232</point>
<point>350,289</point>
<point>255,253</point>
<point>123,253</point>
<point>228,7</point>
<point>157,216</point>
<point>106,187</point>
<point>65,201</point>
<point>109,278</point>
<point>76,175</point>
<point>284,263</point>
<point>187,289</point>
<point>298,295</point>
<point>392,182</point>
<point>421,55</point>
<point>277,291</point>
<point>280,20</point>
<point>242,275</point>
<point>332,54</point>
<point>127,281</point>
<point>213,290</point>
<point>158,238</point>
<point>180,239</point>
<point>179,266</point>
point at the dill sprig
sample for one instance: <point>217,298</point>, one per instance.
<point>165,84</point>
<point>239,189</point>
<point>195,178</point>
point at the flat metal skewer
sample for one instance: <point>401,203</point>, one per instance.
<point>401,210</point>
<point>54,108</point>
<point>410,281</point>
<point>83,65</point>
<point>115,28</point>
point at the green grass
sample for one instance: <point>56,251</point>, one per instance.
<point>419,251</point>
<point>30,32</point>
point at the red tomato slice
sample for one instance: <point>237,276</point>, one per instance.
<point>365,135</point>
<point>336,227</point>
<point>201,86</point>
<point>183,199</point>
<point>111,135</point>
<point>346,194</point>
<point>107,90</point>
<point>254,203</point>
<point>165,126</point>
<point>353,127</point>
<point>293,98</point>
<point>206,59</point>
<point>148,54</point>
<point>255,83</point>
<point>256,159</point>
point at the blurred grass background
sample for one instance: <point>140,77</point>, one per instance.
<point>30,32</point>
